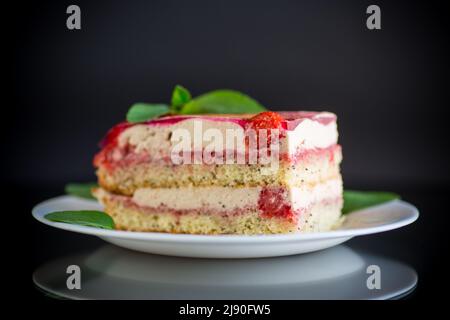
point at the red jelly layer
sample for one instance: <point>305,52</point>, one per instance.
<point>273,202</point>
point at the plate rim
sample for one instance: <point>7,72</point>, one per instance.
<point>228,238</point>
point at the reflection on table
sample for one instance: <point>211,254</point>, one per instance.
<point>114,273</point>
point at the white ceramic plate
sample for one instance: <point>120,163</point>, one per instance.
<point>388,216</point>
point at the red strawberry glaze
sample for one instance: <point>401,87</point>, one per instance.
<point>113,134</point>
<point>170,120</point>
<point>273,202</point>
<point>108,145</point>
<point>102,158</point>
<point>294,118</point>
<point>289,119</point>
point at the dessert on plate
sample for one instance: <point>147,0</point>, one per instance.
<point>266,173</point>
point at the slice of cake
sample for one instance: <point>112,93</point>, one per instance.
<point>223,174</point>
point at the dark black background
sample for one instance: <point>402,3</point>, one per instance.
<point>388,87</point>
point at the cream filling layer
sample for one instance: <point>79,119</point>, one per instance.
<point>302,197</point>
<point>222,198</point>
<point>198,197</point>
<point>160,140</point>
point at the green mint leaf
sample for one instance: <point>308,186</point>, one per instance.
<point>82,190</point>
<point>222,101</point>
<point>355,200</point>
<point>140,112</point>
<point>88,218</point>
<point>180,96</point>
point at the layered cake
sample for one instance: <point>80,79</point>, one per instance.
<point>223,174</point>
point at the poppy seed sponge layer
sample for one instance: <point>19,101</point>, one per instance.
<point>315,167</point>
